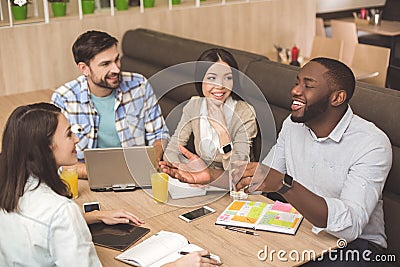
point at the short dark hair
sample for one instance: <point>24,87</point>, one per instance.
<point>26,151</point>
<point>215,55</point>
<point>339,75</point>
<point>90,43</point>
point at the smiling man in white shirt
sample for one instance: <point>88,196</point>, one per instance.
<point>330,164</point>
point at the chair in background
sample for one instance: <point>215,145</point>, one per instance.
<point>319,27</point>
<point>327,47</point>
<point>346,31</point>
<point>1,13</point>
<point>372,59</point>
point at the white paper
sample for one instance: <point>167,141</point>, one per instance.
<point>153,249</point>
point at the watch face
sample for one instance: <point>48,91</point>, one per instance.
<point>288,180</point>
<point>227,148</point>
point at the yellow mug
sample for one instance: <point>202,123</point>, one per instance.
<point>70,176</point>
<point>159,185</point>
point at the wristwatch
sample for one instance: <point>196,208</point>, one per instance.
<point>287,183</point>
<point>225,149</point>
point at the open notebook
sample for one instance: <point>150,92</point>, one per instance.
<point>278,217</point>
<point>159,249</point>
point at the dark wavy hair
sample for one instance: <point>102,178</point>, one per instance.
<point>90,43</point>
<point>214,55</point>
<point>26,151</point>
<point>339,76</point>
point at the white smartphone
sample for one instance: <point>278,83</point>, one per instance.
<point>197,213</point>
<point>91,206</point>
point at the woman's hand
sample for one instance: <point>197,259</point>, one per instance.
<point>215,110</point>
<point>112,217</point>
<point>194,259</point>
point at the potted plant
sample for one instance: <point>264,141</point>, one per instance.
<point>148,3</point>
<point>121,4</point>
<point>19,9</point>
<point>87,6</point>
<point>59,7</point>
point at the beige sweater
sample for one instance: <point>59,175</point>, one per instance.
<point>242,129</point>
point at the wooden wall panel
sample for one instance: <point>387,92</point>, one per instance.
<point>39,56</point>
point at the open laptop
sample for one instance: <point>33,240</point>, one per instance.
<point>120,169</point>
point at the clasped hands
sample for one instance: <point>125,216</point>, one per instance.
<point>254,177</point>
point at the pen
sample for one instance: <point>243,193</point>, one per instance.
<point>240,230</point>
<point>185,253</point>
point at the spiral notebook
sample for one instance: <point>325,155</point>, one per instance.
<point>278,217</point>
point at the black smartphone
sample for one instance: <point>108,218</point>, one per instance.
<point>91,206</point>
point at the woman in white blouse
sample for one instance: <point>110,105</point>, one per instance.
<point>39,224</point>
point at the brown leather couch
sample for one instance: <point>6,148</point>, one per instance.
<point>148,52</point>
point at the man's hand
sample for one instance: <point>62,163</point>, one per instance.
<point>193,172</point>
<point>259,177</point>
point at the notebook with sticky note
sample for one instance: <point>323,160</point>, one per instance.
<point>277,217</point>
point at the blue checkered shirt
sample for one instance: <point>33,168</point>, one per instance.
<point>138,117</point>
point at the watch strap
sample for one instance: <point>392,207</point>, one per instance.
<point>287,183</point>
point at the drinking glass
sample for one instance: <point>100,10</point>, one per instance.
<point>159,186</point>
<point>237,166</point>
<point>69,175</point>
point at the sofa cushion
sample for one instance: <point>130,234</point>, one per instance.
<point>275,80</point>
<point>155,49</point>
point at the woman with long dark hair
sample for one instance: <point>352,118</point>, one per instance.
<point>222,124</point>
<point>40,225</point>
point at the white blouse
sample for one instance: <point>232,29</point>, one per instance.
<point>49,230</point>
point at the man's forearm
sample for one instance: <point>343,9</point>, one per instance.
<point>219,178</point>
<point>310,205</point>
<point>159,146</point>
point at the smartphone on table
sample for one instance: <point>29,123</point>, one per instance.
<point>91,206</point>
<point>197,213</point>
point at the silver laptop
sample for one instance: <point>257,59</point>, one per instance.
<point>120,169</point>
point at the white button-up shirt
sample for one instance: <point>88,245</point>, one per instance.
<point>49,230</point>
<point>348,169</point>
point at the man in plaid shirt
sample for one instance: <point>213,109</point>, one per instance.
<point>107,107</point>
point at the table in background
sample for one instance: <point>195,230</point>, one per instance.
<point>359,74</point>
<point>387,28</point>
<point>235,249</point>
<point>390,32</point>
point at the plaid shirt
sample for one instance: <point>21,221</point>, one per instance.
<point>138,117</point>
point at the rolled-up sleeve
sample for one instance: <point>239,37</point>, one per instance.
<point>362,190</point>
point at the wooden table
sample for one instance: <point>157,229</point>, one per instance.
<point>235,249</point>
<point>387,27</point>
<point>359,74</point>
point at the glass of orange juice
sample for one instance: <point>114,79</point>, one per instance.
<point>69,175</point>
<point>159,186</point>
